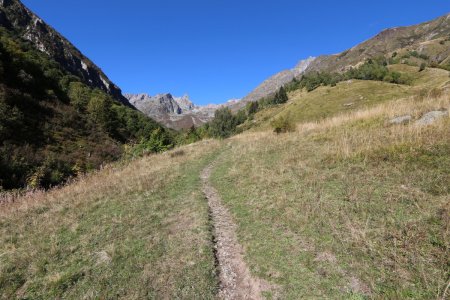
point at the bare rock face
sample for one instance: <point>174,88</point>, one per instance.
<point>175,112</point>
<point>15,16</point>
<point>272,84</point>
<point>185,103</point>
<point>156,105</point>
<point>302,66</point>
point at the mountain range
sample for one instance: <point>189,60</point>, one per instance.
<point>175,112</point>
<point>420,39</point>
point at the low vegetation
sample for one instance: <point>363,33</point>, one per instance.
<point>139,231</point>
<point>347,207</point>
<point>350,95</point>
<point>331,199</point>
<point>283,124</point>
<point>224,124</point>
<point>373,69</point>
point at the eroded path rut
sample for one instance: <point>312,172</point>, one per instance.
<point>235,278</point>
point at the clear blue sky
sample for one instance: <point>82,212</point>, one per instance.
<point>215,50</point>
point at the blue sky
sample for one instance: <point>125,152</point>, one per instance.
<point>215,50</point>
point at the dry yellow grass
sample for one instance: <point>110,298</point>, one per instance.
<point>354,95</point>
<point>364,130</point>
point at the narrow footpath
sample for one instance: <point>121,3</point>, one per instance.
<point>235,278</point>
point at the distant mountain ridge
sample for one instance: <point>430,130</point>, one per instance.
<point>175,112</point>
<point>272,84</point>
<point>404,39</point>
<point>412,38</point>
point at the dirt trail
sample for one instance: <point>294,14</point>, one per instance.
<point>236,281</point>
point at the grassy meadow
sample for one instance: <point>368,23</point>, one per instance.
<point>346,207</point>
<point>139,231</point>
<point>326,101</point>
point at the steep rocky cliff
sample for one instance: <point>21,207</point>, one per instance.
<point>16,17</point>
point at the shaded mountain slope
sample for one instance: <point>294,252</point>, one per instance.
<point>56,119</point>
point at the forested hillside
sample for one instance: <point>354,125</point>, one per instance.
<point>52,125</point>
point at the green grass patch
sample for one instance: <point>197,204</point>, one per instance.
<point>354,228</point>
<point>148,240</point>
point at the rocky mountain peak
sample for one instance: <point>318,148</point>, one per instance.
<point>159,104</point>
<point>185,103</point>
<point>302,66</point>
<point>176,112</point>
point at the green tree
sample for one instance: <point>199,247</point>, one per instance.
<point>100,112</point>
<point>192,135</point>
<point>224,123</point>
<point>240,117</point>
<point>10,120</point>
<point>281,96</point>
<point>79,95</point>
<point>252,108</point>
<point>159,140</point>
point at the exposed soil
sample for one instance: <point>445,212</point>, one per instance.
<point>235,278</point>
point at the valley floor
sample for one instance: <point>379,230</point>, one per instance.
<point>347,207</point>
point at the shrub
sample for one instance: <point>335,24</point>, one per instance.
<point>283,124</point>
<point>177,153</point>
<point>422,67</point>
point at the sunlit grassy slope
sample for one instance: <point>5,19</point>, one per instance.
<point>134,232</point>
<point>346,207</point>
<point>352,95</point>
